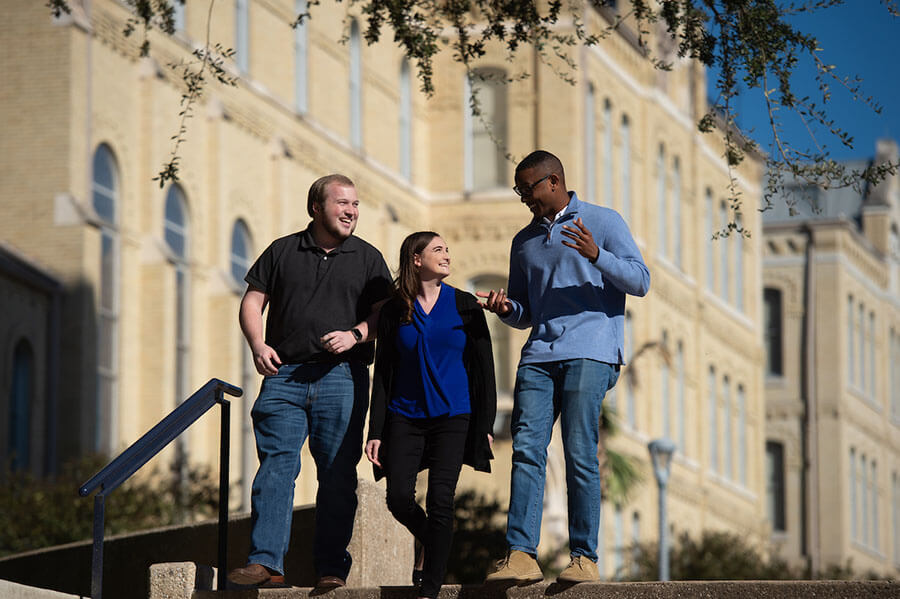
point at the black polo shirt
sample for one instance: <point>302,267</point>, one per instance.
<point>312,292</point>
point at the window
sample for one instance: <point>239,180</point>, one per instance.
<point>713,422</point>
<point>590,146</point>
<point>864,497</point>
<point>105,194</point>
<point>626,169</point>
<point>895,374</point>
<point>676,209</point>
<point>240,252</point>
<point>726,417</point>
<point>487,130</point>
<point>301,58</point>
<point>775,485</point>
<point>742,435</point>
<point>355,86</point>
<point>851,339</point>
<point>854,508</point>
<point>861,348</point>
<point>723,254</point>
<point>872,387</point>
<point>873,496</point>
<point>21,398</point>
<point>405,121</point>
<point>710,274</point>
<point>607,154</point>
<point>176,235</point>
<point>665,410</point>
<point>895,515</point>
<point>178,15</point>
<point>661,201</point>
<point>242,34</point>
<point>773,333</point>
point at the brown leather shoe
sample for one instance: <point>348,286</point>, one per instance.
<point>255,574</point>
<point>330,582</point>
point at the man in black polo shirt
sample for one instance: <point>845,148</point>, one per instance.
<point>323,287</point>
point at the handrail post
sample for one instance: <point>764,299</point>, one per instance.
<point>97,553</point>
<point>224,459</point>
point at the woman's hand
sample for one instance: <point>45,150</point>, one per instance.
<point>372,448</point>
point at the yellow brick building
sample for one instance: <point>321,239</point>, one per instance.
<point>832,335</point>
<point>152,277</point>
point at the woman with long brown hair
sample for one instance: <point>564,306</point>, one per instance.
<point>433,399</point>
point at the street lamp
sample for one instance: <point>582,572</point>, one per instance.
<point>661,451</point>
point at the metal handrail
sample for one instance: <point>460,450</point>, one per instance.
<point>145,448</point>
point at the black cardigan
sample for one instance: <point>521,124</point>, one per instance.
<point>478,360</point>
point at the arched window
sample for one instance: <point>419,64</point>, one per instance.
<point>775,485</point>
<point>242,34</point>
<point>21,397</point>
<point>626,169</point>
<point>851,338</point>
<point>676,210</point>
<point>355,86</point>
<point>590,146</point>
<point>176,235</point>
<point>105,195</point>
<point>727,436</point>
<point>405,121</point>
<point>772,330</point>
<point>178,15</point>
<point>663,217</point>
<point>607,154</point>
<point>240,252</point>
<point>664,393</point>
<point>486,132</point>
<point>301,37</point>
<point>723,253</point>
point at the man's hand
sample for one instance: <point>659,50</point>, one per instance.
<point>266,359</point>
<point>582,240</point>
<point>372,448</point>
<point>338,341</point>
<point>495,302</point>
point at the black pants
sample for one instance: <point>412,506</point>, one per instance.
<point>441,442</point>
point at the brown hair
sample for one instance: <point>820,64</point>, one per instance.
<point>407,282</point>
<point>319,189</point>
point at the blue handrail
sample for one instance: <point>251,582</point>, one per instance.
<point>145,448</point>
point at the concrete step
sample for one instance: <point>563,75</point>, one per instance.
<point>821,589</point>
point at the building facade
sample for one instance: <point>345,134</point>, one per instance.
<point>152,277</point>
<point>832,337</point>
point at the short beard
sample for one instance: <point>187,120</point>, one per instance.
<point>336,232</point>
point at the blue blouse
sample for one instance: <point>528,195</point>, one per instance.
<point>431,379</point>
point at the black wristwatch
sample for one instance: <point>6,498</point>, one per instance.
<point>356,334</point>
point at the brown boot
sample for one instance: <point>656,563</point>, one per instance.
<point>255,574</point>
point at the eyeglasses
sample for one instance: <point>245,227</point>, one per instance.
<point>525,192</point>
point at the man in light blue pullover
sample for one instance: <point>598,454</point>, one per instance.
<point>569,271</point>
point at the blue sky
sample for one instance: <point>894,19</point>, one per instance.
<point>860,39</point>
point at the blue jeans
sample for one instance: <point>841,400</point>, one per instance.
<point>573,391</point>
<point>326,403</point>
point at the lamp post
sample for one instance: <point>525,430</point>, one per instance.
<point>661,451</point>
